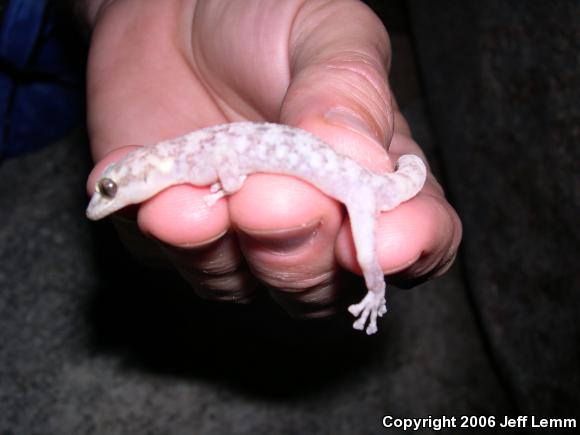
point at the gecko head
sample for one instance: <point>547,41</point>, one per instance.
<point>107,198</point>
<point>110,192</point>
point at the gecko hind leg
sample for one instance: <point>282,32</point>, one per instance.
<point>373,305</point>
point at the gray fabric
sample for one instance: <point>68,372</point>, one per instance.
<point>502,80</point>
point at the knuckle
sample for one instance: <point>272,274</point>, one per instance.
<point>329,296</point>
<point>236,286</point>
<point>365,82</point>
<point>445,264</point>
<point>319,300</point>
<point>363,75</point>
<point>292,280</point>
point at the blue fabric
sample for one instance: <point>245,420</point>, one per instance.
<point>41,76</point>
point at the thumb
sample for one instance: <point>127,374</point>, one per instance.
<point>339,57</point>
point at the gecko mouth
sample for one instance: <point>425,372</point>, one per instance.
<point>100,206</point>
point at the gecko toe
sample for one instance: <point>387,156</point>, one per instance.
<point>359,324</point>
<point>212,198</point>
<point>372,328</point>
<point>215,187</point>
<point>362,320</point>
<point>356,309</point>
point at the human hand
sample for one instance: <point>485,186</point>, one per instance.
<point>161,69</point>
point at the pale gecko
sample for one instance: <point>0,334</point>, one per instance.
<point>222,156</point>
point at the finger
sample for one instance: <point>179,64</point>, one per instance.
<point>338,91</point>
<point>436,253</point>
<point>339,57</point>
<point>285,228</point>
<point>177,216</point>
<point>416,239</point>
<point>178,225</point>
<point>124,220</point>
<point>120,68</point>
<point>439,251</point>
<point>195,238</point>
<point>216,270</point>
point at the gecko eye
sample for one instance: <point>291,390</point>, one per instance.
<point>107,187</point>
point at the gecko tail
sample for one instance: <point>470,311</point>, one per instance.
<point>403,184</point>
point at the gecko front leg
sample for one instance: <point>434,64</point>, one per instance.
<point>230,179</point>
<point>363,219</point>
<point>216,193</point>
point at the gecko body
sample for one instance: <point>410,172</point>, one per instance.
<point>222,156</point>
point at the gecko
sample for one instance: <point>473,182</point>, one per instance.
<point>222,156</point>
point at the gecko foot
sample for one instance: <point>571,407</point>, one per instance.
<point>213,197</point>
<point>373,305</point>
<point>215,187</point>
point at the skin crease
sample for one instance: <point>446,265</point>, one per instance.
<point>161,69</point>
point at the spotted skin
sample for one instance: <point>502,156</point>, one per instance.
<point>222,156</point>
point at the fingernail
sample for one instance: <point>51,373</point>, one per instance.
<point>283,241</point>
<point>345,118</point>
<point>204,243</point>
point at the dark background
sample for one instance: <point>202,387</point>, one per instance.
<point>492,91</point>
